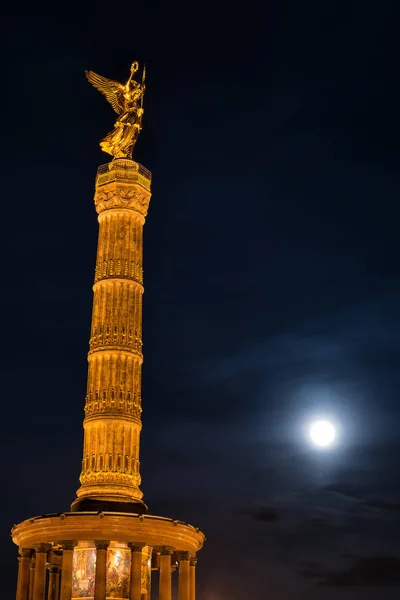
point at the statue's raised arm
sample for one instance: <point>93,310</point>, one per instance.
<point>127,101</point>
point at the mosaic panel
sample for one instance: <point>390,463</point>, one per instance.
<point>118,572</point>
<point>83,572</point>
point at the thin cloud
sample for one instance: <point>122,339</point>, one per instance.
<point>372,571</point>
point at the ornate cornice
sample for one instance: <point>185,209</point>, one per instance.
<point>148,530</point>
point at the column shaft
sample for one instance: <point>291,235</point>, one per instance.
<point>135,591</point>
<point>100,582</point>
<point>54,583</point>
<point>193,579</point>
<point>184,577</point>
<point>39,588</point>
<point>24,574</point>
<point>31,579</point>
<point>165,577</point>
<point>112,425</point>
<point>57,585</point>
<point>66,571</point>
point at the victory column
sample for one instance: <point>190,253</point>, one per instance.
<point>107,545</point>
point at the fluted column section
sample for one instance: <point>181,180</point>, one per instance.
<point>184,576</point>
<point>112,425</point>
<point>24,573</point>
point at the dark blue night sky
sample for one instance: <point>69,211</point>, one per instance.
<point>272,280</point>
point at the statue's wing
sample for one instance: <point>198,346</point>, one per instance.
<point>112,90</point>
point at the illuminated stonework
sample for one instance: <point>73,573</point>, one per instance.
<point>110,466</point>
<point>118,571</point>
<point>107,546</point>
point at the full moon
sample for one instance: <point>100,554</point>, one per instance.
<point>322,433</point>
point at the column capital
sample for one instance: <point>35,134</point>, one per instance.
<point>68,544</point>
<point>193,561</point>
<point>42,548</point>
<point>53,568</point>
<point>25,553</point>
<point>182,556</point>
<point>123,184</point>
<point>102,544</point>
<point>136,546</point>
<point>165,550</point>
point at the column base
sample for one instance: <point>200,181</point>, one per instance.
<point>93,505</point>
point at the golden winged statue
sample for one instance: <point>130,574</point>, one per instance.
<point>127,101</point>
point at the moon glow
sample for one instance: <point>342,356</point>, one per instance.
<point>322,433</point>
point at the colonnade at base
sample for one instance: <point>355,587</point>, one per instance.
<point>47,572</point>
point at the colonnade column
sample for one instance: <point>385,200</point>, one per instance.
<point>165,575</point>
<point>39,587</point>
<point>100,581</point>
<point>24,573</point>
<point>54,582</point>
<point>66,569</point>
<point>135,590</point>
<point>32,577</point>
<point>193,562</point>
<point>184,576</point>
